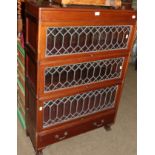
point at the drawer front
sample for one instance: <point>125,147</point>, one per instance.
<point>86,39</point>
<point>83,73</point>
<point>71,107</point>
<point>58,134</point>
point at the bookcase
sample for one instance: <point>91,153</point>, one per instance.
<point>76,63</point>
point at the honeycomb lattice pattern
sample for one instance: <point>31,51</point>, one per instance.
<point>71,107</point>
<point>82,73</point>
<point>82,39</point>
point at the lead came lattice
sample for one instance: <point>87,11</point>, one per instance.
<point>71,107</point>
<point>78,74</point>
<point>82,39</point>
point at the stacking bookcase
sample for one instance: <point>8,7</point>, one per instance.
<point>76,63</point>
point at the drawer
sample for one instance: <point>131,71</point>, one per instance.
<point>72,107</point>
<point>74,75</point>
<point>58,134</point>
<point>86,39</point>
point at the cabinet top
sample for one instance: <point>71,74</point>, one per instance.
<point>50,12</point>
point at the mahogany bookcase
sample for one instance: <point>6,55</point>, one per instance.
<point>76,63</point>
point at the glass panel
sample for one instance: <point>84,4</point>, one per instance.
<point>71,107</point>
<point>82,73</point>
<point>68,40</point>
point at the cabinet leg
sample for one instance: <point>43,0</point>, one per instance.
<point>136,64</point>
<point>27,133</point>
<point>39,152</point>
<point>107,127</point>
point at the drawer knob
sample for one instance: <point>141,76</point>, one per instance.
<point>120,67</point>
<point>63,137</point>
<point>98,124</point>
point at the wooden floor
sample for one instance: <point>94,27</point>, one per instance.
<point>120,141</point>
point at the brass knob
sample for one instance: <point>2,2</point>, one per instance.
<point>98,124</point>
<point>61,138</point>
